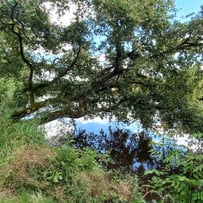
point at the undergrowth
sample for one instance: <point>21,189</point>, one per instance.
<point>33,171</point>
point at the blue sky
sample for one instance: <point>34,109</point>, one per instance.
<point>188,6</point>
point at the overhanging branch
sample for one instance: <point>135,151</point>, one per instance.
<point>18,32</point>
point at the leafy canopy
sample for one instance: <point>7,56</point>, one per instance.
<point>116,57</point>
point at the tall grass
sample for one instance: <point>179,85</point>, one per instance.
<point>31,171</point>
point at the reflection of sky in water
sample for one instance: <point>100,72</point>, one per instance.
<point>93,128</point>
<point>137,165</point>
<point>97,124</point>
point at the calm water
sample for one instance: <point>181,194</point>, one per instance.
<point>129,146</point>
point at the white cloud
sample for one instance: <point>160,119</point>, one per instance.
<point>55,17</point>
<point>96,120</point>
<point>69,15</point>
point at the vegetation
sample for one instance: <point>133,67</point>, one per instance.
<point>131,55</point>
<point>128,59</point>
<point>31,171</point>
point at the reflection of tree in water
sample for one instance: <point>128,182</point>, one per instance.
<point>124,147</point>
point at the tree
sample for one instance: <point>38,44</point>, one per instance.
<point>151,63</point>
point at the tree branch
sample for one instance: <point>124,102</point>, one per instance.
<point>18,33</point>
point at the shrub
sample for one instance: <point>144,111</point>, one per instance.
<point>180,180</point>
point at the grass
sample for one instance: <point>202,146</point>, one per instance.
<point>24,197</point>
<point>17,172</point>
<point>31,171</point>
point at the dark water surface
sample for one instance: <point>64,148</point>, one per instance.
<point>129,146</point>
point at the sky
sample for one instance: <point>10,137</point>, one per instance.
<point>184,7</point>
<point>188,6</point>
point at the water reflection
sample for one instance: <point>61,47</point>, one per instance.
<point>130,152</point>
<point>129,146</point>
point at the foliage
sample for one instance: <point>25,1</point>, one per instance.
<point>27,198</point>
<point>32,171</point>
<point>13,135</point>
<point>35,169</point>
<point>113,54</point>
<point>180,180</point>
<point>128,59</point>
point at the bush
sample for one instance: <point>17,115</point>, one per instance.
<point>180,180</point>
<point>62,173</point>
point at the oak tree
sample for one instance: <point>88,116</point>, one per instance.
<point>131,59</point>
